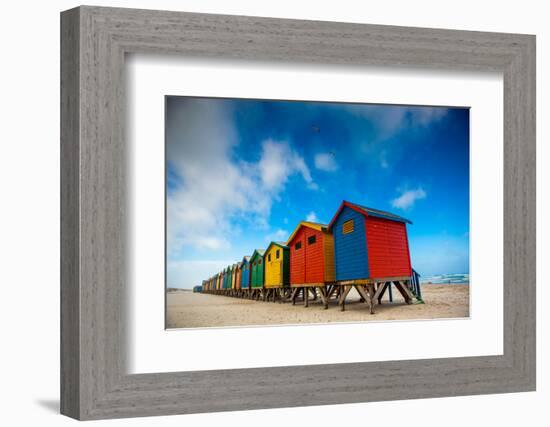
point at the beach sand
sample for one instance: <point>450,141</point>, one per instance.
<point>186,309</point>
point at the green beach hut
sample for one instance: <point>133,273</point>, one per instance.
<point>257,268</point>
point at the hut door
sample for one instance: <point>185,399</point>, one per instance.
<point>298,259</point>
<point>314,257</point>
<point>274,264</point>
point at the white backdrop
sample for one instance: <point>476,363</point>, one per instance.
<point>29,233</point>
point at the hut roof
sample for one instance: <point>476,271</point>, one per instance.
<point>280,244</point>
<point>260,253</point>
<point>315,225</point>
<point>368,212</point>
<point>246,259</point>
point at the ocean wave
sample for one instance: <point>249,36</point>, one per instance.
<point>455,278</point>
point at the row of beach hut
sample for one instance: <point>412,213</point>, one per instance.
<point>362,248</point>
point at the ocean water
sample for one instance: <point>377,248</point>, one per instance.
<point>451,279</point>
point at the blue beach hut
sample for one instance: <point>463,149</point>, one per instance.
<point>245,273</point>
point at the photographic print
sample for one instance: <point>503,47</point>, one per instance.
<point>304,212</point>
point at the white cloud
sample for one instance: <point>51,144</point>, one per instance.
<point>208,242</point>
<point>200,136</point>
<point>326,162</point>
<point>381,146</point>
<point>215,189</point>
<point>277,235</point>
<point>186,274</point>
<point>312,217</point>
<point>391,119</point>
<point>313,186</point>
<point>424,116</point>
<point>278,162</point>
<point>407,199</point>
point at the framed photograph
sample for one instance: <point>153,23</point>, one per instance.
<point>275,203</point>
<point>291,213</point>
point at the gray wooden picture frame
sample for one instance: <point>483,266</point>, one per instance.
<point>94,381</point>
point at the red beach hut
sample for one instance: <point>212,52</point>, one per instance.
<point>311,254</point>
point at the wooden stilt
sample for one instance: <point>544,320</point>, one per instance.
<point>343,298</point>
<point>384,289</point>
<point>404,291</point>
<point>363,291</point>
<point>379,291</point>
<point>306,297</point>
<point>372,294</point>
<point>343,294</point>
<point>324,296</point>
<point>407,285</point>
<point>293,296</point>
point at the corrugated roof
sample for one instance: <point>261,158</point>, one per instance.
<point>369,212</point>
<point>383,214</point>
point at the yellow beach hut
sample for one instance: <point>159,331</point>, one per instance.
<point>277,265</point>
<point>234,276</point>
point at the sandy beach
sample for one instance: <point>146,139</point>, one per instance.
<point>186,309</point>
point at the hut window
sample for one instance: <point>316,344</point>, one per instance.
<point>298,245</point>
<point>277,253</point>
<point>347,227</point>
<point>269,257</point>
<point>259,261</point>
<point>311,240</point>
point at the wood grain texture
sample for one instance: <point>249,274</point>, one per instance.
<point>70,307</point>
<point>94,382</point>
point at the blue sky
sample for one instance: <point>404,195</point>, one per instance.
<point>241,173</point>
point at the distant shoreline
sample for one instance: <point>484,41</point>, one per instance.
<point>443,283</point>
